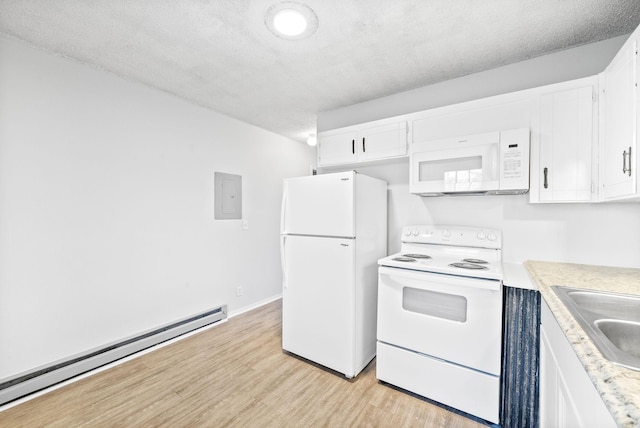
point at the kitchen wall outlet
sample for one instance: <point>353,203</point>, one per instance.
<point>238,291</point>
<point>245,224</point>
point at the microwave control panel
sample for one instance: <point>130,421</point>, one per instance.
<point>514,159</point>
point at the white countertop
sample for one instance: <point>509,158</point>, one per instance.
<point>618,386</point>
<point>516,275</point>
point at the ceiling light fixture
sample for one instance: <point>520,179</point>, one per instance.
<point>291,20</point>
<point>312,140</point>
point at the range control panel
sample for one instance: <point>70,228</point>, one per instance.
<point>461,236</point>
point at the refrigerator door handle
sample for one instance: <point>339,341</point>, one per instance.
<point>283,263</point>
<point>284,207</point>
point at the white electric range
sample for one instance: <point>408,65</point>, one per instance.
<point>440,317</point>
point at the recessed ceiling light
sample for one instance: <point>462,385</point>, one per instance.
<point>291,20</point>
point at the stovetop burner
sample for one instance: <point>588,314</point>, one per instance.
<point>467,265</point>
<point>404,259</point>
<point>476,261</point>
<point>417,256</point>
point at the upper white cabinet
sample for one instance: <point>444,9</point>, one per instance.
<point>583,133</point>
<point>337,148</point>
<point>562,160</point>
<point>362,143</point>
<point>508,111</point>
<point>619,123</point>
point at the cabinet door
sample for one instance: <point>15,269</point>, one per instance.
<point>557,407</point>
<point>548,385</point>
<point>568,413</point>
<point>568,397</point>
<point>619,124</point>
<point>566,144</point>
<point>382,142</point>
<point>335,149</point>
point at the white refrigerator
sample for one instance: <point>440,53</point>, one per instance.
<point>333,231</point>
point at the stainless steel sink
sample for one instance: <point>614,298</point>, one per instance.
<point>611,320</point>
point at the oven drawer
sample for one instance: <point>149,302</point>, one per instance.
<point>454,318</point>
<point>459,387</point>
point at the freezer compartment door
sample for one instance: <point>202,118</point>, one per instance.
<point>320,205</point>
<point>318,300</point>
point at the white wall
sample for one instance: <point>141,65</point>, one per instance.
<point>603,234</point>
<point>106,208</point>
<point>599,234</point>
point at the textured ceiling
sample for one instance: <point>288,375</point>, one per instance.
<point>220,54</point>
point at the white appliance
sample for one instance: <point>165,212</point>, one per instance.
<point>333,231</point>
<point>440,317</point>
<point>491,163</point>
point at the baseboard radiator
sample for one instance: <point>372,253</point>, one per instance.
<point>44,377</point>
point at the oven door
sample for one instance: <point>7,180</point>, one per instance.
<point>453,318</point>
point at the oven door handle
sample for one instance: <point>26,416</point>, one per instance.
<point>418,279</point>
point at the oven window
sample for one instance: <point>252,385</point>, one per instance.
<point>435,304</point>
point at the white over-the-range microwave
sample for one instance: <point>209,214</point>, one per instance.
<point>492,163</point>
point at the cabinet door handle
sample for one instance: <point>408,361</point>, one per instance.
<point>626,155</point>
<point>545,171</point>
<point>353,147</point>
<point>363,148</point>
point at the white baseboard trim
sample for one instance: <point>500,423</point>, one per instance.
<point>253,306</point>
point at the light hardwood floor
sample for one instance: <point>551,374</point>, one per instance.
<point>234,374</point>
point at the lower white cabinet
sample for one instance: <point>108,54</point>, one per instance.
<point>568,398</point>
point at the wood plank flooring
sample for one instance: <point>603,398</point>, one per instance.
<point>234,374</point>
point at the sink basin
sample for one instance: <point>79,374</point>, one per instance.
<point>611,320</point>
<point>609,305</point>
<point>624,335</point>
